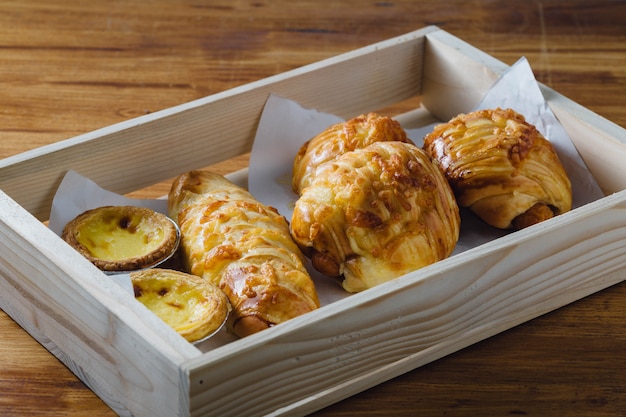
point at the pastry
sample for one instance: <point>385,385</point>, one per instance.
<point>501,168</point>
<point>376,213</point>
<point>122,238</point>
<point>192,306</point>
<point>244,247</point>
<point>341,138</point>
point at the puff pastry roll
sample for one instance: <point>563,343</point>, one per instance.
<point>340,138</point>
<point>376,213</point>
<point>501,168</point>
<point>244,247</point>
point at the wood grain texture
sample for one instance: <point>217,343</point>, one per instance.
<point>217,127</point>
<point>70,67</point>
<point>423,318</point>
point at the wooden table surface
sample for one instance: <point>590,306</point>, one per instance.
<point>69,67</point>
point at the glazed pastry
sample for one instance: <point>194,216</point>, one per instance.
<point>244,247</point>
<point>376,213</point>
<point>501,167</point>
<point>192,306</point>
<point>341,138</point>
<point>122,238</point>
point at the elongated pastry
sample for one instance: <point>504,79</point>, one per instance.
<point>376,213</point>
<point>340,138</point>
<point>244,247</point>
<point>501,167</point>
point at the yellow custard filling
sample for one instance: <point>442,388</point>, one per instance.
<point>122,238</point>
<point>190,305</point>
<point>181,308</point>
<point>115,237</point>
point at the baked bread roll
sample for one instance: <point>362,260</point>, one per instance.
<point>244,247</point>
<point>501,167</point>
<point>340,138</point>
<point>376,213</point>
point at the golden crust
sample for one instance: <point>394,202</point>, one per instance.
<point>340,138</point>
<point>500,167</point>
<point>192,306</point>
<point>244,247</point>
<point>122,238</point>
<point>376,213</point>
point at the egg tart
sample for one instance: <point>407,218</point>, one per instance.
<point>191,305</point>
<point>122,238</point>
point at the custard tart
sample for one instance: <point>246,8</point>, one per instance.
<point>192,306</point>
<point>122,238</point>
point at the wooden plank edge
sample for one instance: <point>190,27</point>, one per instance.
<point>456,75</point>
<point>72,308</point>
<point>213,128</point>
<point>464,299</point>
<point>92,383</point>
<point>600,142</point>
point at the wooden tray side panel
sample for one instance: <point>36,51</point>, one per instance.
<point>143,151</point>
<point>456,75</point>
<point>381,333</point>
<point>126,355</point>
<point>600,142</point>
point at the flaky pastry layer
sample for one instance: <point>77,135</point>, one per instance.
<point>244,247</point>
<point>501,167</point>
<point>376,213</point>
<point>340,138</point>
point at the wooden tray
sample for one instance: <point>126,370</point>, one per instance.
<point>139,366</point>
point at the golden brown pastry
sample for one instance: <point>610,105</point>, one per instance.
<point>501,167</point>
<point>341,138</point>
<point>376,213</point>
<point>191,305</point>
<point>244,247</point>
<point>122,238</point>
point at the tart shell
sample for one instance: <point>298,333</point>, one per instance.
<point>122,238</point>
<point>191,305</point>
